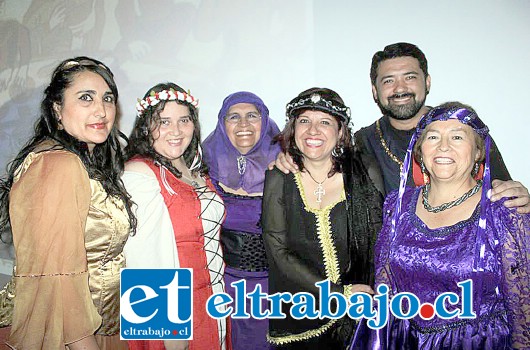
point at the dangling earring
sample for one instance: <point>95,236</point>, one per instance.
<point>426,178</point>
<point>476,167</point>
<point>197,160</point>
<point>60,124</point>
<point>337,151</point>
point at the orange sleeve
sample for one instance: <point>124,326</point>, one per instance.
<point>48,208</point>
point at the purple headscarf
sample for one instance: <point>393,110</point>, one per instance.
<point>230,167</point>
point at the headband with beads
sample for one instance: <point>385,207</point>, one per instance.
<point>318,102</point>
<point>165,95</point>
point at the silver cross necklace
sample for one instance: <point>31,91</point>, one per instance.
<point>319,191</point>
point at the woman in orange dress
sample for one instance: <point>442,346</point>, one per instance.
<point>70,216</point>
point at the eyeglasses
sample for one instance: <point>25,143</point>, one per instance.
<point>235,118</point>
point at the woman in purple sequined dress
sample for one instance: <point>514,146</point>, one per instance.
<point>237,153</point>
<point>448,231</point>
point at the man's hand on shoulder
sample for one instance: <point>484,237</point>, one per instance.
<point>511,189</point>
<point>284,163</point>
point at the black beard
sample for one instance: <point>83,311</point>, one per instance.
<point>402,112</point>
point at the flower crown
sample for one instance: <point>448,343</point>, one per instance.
<point>165,95</point>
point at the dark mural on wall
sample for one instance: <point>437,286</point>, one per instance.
<point>197,43</point>
<point>30,46</point>
<point>143,41</point>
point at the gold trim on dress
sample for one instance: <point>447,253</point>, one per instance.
<point>312,333</point>
<point>7,302</point>
<point>331,262</point>
<point>53,274</point>
<point>324,233</point>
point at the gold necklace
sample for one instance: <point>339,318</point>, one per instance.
<point>320,191</point>
<point>385,147</point>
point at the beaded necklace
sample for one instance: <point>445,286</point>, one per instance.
<point>444,206</point>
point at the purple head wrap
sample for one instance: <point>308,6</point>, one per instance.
<point>230,167</point>
<point>468,117</point>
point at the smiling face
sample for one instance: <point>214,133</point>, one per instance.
<point>316,134</point>
<point>88,110</point>
<point>449,150</point>
<point>174,133</point>
<point>401,87</point>
<point>243,126</point>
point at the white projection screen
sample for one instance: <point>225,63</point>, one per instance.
<point>478,53</point>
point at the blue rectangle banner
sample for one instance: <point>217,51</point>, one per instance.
<point>156,304</point>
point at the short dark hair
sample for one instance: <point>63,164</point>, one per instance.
<point>287,138</point>
<point>398,50</point>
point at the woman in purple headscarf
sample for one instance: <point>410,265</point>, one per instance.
<point>448,231</point>
<point>237,153</point>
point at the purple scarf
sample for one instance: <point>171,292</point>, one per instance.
<point>222,157</point>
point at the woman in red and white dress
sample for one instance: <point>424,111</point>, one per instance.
<point>179,213</point>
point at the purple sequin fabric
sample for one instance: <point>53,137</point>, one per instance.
<point>428,262</point>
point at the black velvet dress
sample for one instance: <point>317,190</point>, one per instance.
<point>306,245</point>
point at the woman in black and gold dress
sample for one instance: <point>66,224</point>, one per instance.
<point>320,223</point>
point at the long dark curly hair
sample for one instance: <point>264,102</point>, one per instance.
<point>141,139</point>
<point>105,162</point>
